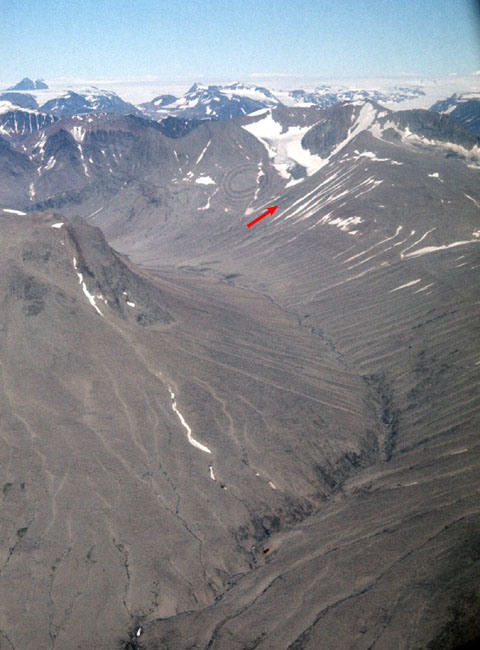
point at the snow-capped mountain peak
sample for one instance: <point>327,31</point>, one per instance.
<point>90,99</point>
<point>220,102</point>
<point>215,102</point>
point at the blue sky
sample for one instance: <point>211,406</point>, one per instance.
<point>193,38</point>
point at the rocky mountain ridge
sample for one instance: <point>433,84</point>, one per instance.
<point>463,107</point>
<point>27,84</point>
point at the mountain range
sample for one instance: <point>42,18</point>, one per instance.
<point>222,102</point>
<point>463,107</point>
<point>226,437</point>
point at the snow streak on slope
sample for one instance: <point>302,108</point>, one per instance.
<point>89,296</point>
<point>407,284</point>
<point>433,249</point>
<point>203,152</point>
<point>191,439</point>
<point>12,211</point>
<point>328,196</point>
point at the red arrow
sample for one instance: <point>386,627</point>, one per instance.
<point>269,211</point>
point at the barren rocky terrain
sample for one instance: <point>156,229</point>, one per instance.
<point>229,438</point>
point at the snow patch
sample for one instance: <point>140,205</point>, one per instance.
<point>51,163</point>
<point>84,164</point>
<point>78,133</point>
<point>91,298</point>
<point>284,149</point>
<point>191,439</point>
<point>342,224</point>
<point>427,286</point>
<point>19,212</point>
<point>434,249</point>
<point>205,207</point>
<point>403,252</point>
<point>203,152</point>
<point>368,154</point>
<point>407,284</point>
<point>259,176</point>
<point>205,180</point>
<point>372,156</point>
<point>472,199</point>
<point>41,144</point>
